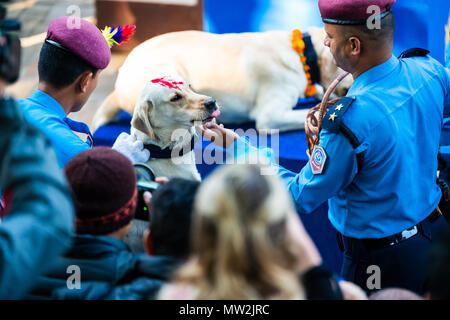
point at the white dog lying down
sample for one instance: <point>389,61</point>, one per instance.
<point>164,120</point>
<point>253,76</point>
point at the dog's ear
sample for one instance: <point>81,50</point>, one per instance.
<point>141,118</point>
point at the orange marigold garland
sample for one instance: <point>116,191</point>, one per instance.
<point>299,46</point>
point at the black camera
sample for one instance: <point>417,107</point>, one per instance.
<point>10,50</point>
<point>145,182</point>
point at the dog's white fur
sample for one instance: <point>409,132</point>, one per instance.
<point>158,120</point>
<point>253,76</point>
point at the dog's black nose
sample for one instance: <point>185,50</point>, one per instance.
<point>210,105</point>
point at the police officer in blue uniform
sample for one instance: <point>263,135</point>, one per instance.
<point>376,161</point>
<point>70,63</point>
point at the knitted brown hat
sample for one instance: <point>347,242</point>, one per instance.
<point>104,184</point>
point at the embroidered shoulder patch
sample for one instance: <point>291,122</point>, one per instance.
<point>318,159</point>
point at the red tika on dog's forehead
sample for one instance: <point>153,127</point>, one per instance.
<point>167,83</point>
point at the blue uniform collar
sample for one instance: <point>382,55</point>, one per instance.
<point>374,74</point>
<point>48,102</point>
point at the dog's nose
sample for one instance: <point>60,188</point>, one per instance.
<point>210,105</point>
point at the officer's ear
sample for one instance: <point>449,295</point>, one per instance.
<point>84,81</point>
<point>141,117</point>
<point>354,45</point>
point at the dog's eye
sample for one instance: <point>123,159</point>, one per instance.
<point>176,97</point>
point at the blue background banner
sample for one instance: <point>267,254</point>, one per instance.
<point>419,23</point>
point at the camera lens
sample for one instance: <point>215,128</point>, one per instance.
<point>145,182</point>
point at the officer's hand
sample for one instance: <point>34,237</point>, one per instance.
<point>217,134</point>
<point>133,149</point>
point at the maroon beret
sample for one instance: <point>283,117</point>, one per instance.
<point>352,12</point>
<point>105,190</point>
<point>82,38</point>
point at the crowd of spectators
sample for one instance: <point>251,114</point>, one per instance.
<point>236,235</point>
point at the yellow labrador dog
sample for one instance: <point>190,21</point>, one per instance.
<point>164,120</point>
<point>253,76</point>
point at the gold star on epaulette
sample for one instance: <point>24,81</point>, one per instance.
<point>339,107</point>
<point>333,116</point>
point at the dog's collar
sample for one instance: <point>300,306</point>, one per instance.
<point>157,152</point>
<point>302,44</point>
<point>311,58</point>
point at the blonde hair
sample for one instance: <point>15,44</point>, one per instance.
<point>239,245</point>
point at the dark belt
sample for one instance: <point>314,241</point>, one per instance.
<point>374,244</point>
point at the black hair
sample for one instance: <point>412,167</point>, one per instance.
<point>384,33</point>
<point>438,277</point>
<point>60,68</point>
<point>171,215</point>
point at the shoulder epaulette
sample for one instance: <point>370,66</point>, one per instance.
<point>333,123</point>
<point>413,52</point>
<point>333,118</point>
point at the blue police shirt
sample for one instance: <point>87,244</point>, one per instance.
<point>397,116</point>
<point>445,136</point>
<point>46,114</point>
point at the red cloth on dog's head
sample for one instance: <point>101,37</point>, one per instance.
<point>166,82</point>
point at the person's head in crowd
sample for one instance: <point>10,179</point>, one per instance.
<point>438,278</point>
<point>170,219</point>
<point>10,51</point>
<point>105,192</point>
<point>395,294</point>
<point>135,235</point>
<point>243,246</point>
<point>358,46</point>
<point>71,60</point>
